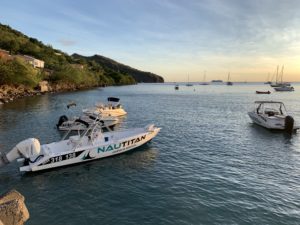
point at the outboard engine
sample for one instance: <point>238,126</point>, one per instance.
<point>26,149</point>
<point>289,124</point>
<point>61,120</point>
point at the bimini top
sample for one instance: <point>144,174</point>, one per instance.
<point>113,99</point>
<point>261,102</point>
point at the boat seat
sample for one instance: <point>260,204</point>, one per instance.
<point>271,112</point>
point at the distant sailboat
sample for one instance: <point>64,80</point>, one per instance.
<point>204,79</point>
<point>276,84</point>
<point>279,79</point>
<point>188,83</point>
<point>268,79</point>
<point>229,83</point>
<point>282,86</point>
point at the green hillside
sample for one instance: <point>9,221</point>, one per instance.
<point>59,66</point>
<point>139,76</point>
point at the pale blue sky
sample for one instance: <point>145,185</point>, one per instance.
<point>249,38</point>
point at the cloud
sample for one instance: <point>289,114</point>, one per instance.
<point>66,42</point>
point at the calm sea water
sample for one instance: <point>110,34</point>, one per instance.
<point>208,165</point>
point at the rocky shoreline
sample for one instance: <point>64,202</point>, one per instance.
<point>13,210</point>
<point>9,93</point>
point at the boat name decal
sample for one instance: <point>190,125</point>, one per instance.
<point>62,157</point>
<point>121,145</point>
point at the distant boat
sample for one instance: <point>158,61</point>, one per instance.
<point>263,92</point>
<point>204,79</point>
<point>284,88</point>
<point>176,87</point>
<point>268,80</point>
<point>229,83</point>
<point>279,79</point>
<point>217,81</point>
<point>281,86</point>
<point>188,83</point>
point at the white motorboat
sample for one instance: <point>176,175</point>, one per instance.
<point>90,145</point>
<point>113,107</point>
<point>272,115</point>
<point>82,122</point>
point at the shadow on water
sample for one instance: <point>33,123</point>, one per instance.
<point>270,133</point>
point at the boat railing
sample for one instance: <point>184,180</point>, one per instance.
<point>93,129</point>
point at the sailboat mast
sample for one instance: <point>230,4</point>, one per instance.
<point>277,74</point>
<point>282,73</point>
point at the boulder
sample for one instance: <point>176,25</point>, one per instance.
<point>43,86</point>
<point>13,210</point>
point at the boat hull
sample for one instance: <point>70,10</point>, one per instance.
<point>263,92</point>
<point>105,112</point>
<point>113,112</point>
<point>273,122</point>
<point>92,152</point>
<point>281,89</point>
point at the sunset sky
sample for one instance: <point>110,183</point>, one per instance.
<point>171,38</point>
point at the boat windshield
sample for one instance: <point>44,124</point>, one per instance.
<point>271,108</point>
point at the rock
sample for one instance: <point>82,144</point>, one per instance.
<point>13,210</point>
<point>43,86</point>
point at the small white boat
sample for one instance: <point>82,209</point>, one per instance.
<point>284,88</point>
<point>82,122</point>
<point>113,107</point>
<point>90,145</point>
<point>272,115</point>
